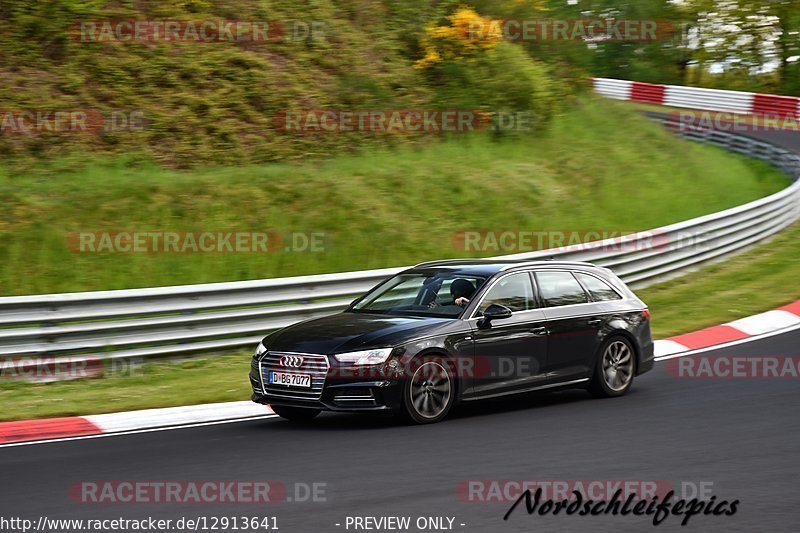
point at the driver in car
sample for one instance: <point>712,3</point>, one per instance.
<point>461,290</point>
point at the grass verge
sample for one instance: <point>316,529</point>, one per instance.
<point>758,280</point>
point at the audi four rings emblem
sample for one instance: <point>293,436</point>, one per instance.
<point>293,361</point>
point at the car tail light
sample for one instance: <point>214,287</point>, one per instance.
<point>646,314</point>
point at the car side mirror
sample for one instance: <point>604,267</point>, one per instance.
<point>494,312</point>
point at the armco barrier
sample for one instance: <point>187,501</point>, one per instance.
<point>196,318</point>
<point>698,98</point>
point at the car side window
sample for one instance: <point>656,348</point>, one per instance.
<point>599,289</point>
<point>513,291</point>
<point>560,288</point>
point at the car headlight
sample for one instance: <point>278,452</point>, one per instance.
<point>365,357</point>
<point>260,350</point>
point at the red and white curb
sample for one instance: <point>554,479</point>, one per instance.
<point>735,332</point>
<point>76,427</point>
<point>126,423</point>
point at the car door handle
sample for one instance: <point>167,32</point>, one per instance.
<point>594,321</point>
<point>539,332</point>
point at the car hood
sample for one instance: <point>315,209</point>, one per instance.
<point>347,332</point>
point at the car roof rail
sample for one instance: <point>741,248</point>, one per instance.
<point>547,262</point>
<point>456,262</point>
<point>508,264</point>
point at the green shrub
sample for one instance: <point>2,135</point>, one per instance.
<point>503,79</point>
<point>214,103</point>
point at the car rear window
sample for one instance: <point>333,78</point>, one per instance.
<point>560,288</point>
<point>599,289</point>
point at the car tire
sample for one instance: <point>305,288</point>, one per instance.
<point>615,368</point>
<point>295,414</point>
<point>429,390</point>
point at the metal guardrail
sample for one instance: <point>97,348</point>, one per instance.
<point>697,97</point>
<point>710,99</point>
<point>610,88</point>
<point>196,318</point>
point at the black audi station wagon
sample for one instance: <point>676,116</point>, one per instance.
<point>459,331</point>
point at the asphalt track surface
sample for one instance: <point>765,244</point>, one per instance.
<point>742,435</point>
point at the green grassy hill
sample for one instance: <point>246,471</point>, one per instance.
<point>204,102</point>
<point>209,157</point>
<point>600,166</point>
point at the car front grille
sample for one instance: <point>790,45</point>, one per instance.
<point>315,365</point>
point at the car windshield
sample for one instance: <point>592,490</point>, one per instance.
<point>441,294</point>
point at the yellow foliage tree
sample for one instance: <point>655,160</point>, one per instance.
<point>466,34</point>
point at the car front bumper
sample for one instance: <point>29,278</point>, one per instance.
<point>369,392</point>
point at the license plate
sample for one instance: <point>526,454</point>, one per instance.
<point>290,380</point>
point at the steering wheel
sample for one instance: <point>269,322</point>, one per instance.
<point>428,293</point>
